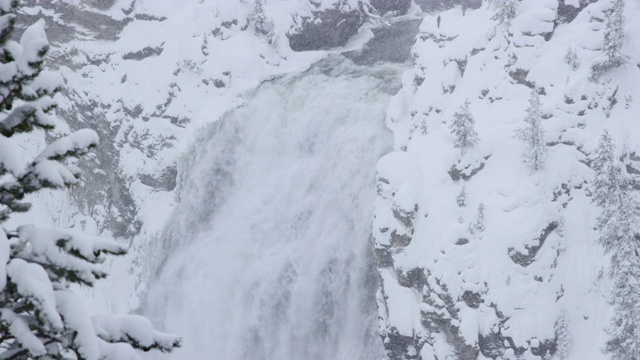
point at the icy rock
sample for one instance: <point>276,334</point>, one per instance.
<point>385,6</point>
<point>527,259</point>
<point>414,278</point>
<point>431,5</point>
<point>326,29</point>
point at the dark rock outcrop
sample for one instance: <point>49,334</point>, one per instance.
<point>385,6</point>
<point>165,181</point>
<point>108,200</point>
<point>72,21</point>
<point>390,44</point>
<point>440,5</point>
<point>399,346</point>
<point>526,259</point>
<point>442,317</point>
<point>566,13</point>
<point>326,29</point>
<point>101,4</point>
<point>148,51</point>
<point>457,172</point>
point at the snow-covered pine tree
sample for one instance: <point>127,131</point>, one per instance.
<point>40,317</point>
<point>623,330</point>
<point>612,56</point>
<point>619,233</point>
<point>462,127</point>
<point>608,181</point>
<point>461,199</point>
<point>571,58</point>
<point>563,337</point>
<point>532,135</point>
<point>261,23</point>
<point>507,10</point>
<point>477,227</point>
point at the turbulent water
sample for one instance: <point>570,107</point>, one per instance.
<point>269,250</point>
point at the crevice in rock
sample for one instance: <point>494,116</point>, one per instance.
<point>528,258</point>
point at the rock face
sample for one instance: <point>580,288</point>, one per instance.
<point>385,6</point>
<point>105,196</point>
<point>435,5</point>
<point>326,29</point>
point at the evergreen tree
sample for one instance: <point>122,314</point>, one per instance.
<point>571,58</point>
<point>461,199</point>
<point>563,337</point>
<point>535,151</point>
<point>40,317</point>
<point>624,328</point>
<point>613,38</point>
<point>462,127</point>
<point>608,182</point>
<point>477,227</point>
<point>261,23</point>
<point>507,10</point>
<point>619,237</point>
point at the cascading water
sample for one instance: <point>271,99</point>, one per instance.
<point>269,248</point>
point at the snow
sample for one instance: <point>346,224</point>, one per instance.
<point>8,161</point>
<point>124,328</point>
<point>47,167</point>
<point>116,351</point>
<point>32,282</point>
<point>47,81</point>
<point>5,5</point>
<point>81,254</point>
<point>519,204</point>
<point>76,142</point>
<point>33,40</point>
<point>5,251</point>
<point>54,173</point>
<point>403,304</point>
<point>19,328</point>
<point>469,326</point>
<point>230,254</point>
<point>78,319</point>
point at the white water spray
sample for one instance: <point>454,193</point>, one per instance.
<point>269,248</point>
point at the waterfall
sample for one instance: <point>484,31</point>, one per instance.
<point>269,254</point>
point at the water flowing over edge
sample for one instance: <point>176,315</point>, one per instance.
<point>268,254</point>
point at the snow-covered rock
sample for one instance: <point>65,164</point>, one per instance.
<point>400,7</point>
<point>499,274</point>
<point>327,28</point>
<point>440,5</point>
